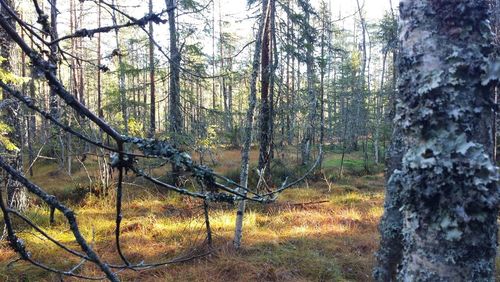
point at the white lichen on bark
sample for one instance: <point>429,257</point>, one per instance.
<point>448,193</point>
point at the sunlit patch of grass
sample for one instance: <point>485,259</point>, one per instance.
<point>305,255</point>
<point>293,195</point>
<point>349,198</point>
<point>375,212</point>
<point>349,214</point>
<point>310,234</point>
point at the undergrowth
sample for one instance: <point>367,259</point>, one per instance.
<point>319,231</point>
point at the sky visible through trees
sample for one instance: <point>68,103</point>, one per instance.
<point>249,140</point>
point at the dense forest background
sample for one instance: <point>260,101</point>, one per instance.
<point>118,101</point>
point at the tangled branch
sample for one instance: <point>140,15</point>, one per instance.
<point>215,187</point>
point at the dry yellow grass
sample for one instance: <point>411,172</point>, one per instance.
<point>284,241</point>
<point>309,234</point>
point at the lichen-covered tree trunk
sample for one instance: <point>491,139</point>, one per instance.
<point>495,25</point>
<point>175,114</point>
<point>447,184</point>
<point>391,239</point>
<point>265,113</point>
<point>53,98</point>
<point>247,134</point>
<point>16,193</point>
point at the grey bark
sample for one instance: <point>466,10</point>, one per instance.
<point>152,109</point>
<point>391,241</point>
<point>16,194</point>
<point>175,114</point>
<point>447,186</point>
<point>266,97</point>
<point>53,99</point>
<point>379,110</point>
<point>247,137</point>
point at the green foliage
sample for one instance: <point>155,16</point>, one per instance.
<point>210,139</point>
<point>135,127</point>
<point>4,139</point>
<point>9,77</point>
<point>189,4</point>
<point>387,32</point>
<point>194,58</point>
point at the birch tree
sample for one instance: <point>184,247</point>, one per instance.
<point>247,137</point>
<point>446,187</point>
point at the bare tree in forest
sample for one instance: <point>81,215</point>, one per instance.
<point>267,71</point>
<point>54,103</point>
<point>247,137</point>
<point>152,101</point>
<point>175,60</point>
<point>121,73</point>
<point>312,100</point>
<point>357,121</point>
<point>444,183</point>
<point>175,115</point>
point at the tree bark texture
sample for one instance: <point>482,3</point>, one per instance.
<point>448,192</point>
<point>247,136</point>
<point>16,194</point>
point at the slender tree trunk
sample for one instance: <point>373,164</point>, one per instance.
<point>308,137</point>
<point>175,114</point>
<point>121,74</point>
<point>30,118</point>
<point>247,137</point>
<point>99,58</point>
<point>214,95</point>
<point>265,112</point>
<point>378,110</point>
<point>152,107</point>
<point>323,65</point>
<point>55,110</point>
<point>287,107</point>
<point>291,104</point>
<point>53,100</point>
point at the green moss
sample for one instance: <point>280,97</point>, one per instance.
<point>307,258</point>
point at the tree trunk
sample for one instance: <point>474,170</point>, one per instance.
<point>16,193</point>
<point>121,74</point>
<point>448,190</point>
<point>391,240</point>
<point>265,111</point>
<point>247,136</point>
<point>308,137</point>
<point>378,111</point>
<point>152,107</point>
<point>175,114</point>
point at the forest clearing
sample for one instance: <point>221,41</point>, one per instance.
<point>249,140</point>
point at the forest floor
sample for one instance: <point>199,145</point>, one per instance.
<point>319,231</point>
